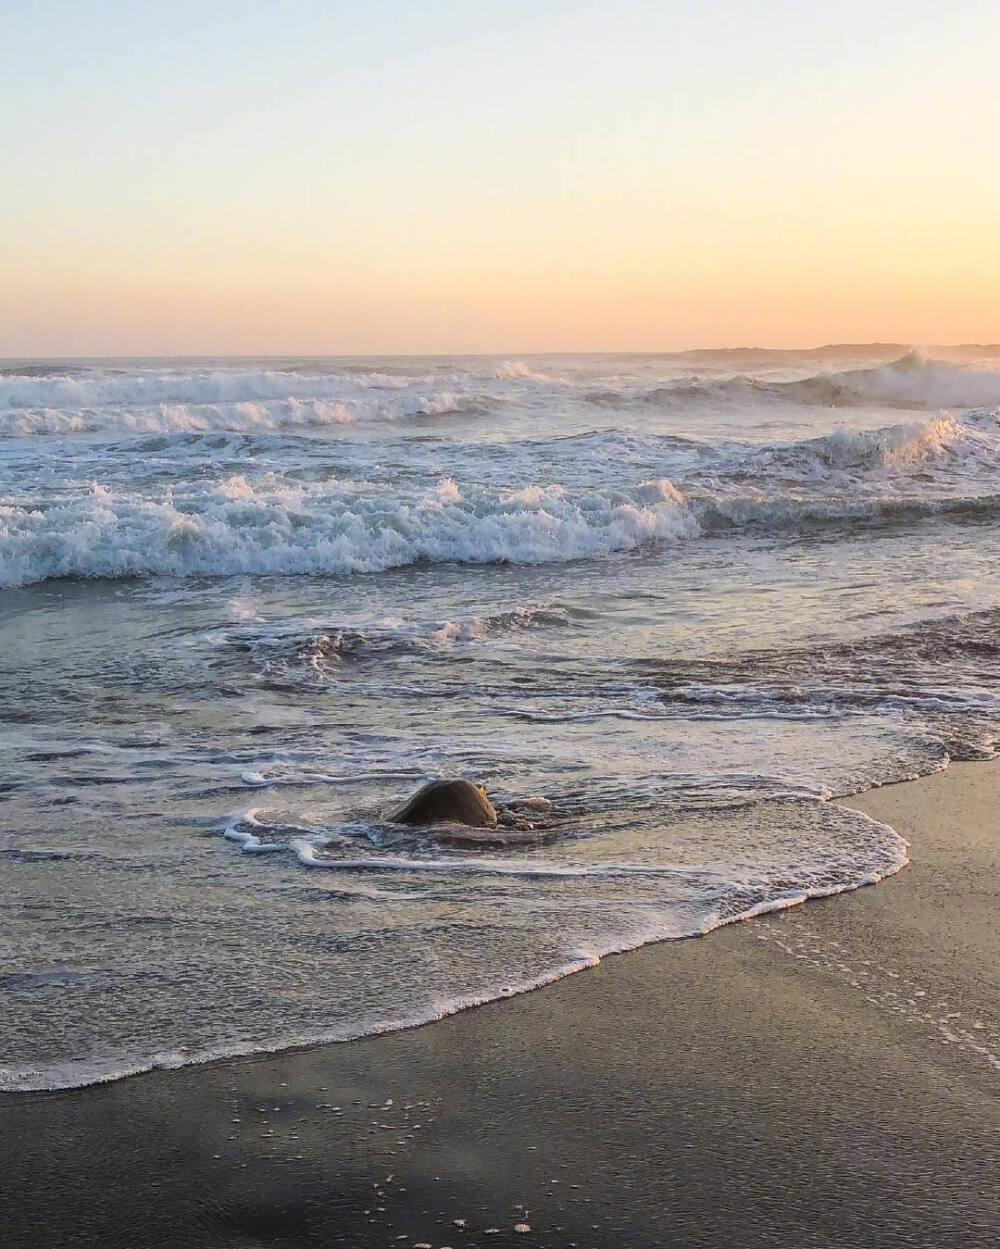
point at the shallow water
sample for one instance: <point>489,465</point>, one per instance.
<point>248,606</point>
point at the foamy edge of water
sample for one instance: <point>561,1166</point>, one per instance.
<point>85,1073</point>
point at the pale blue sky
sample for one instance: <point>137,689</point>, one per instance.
<point>324,177</point>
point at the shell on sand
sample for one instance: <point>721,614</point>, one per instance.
<point>448,802</point>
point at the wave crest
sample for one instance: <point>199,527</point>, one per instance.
<point>234,401</point>
<point>274,527</point>
<point>911,382</point>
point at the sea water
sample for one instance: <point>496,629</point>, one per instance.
<point>248,606</point>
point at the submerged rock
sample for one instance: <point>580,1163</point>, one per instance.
<point>448,802</point>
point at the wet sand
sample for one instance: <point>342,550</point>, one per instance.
<point>826,1076</point>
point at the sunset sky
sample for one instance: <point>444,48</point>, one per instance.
<point>387,177</point>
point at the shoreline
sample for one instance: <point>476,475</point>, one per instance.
<point>545,979</point>
<point>821,1075</point>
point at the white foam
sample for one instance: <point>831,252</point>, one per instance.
<point>319,647</point>
<point>271,526</point>
<point>232,400</point>
<point>667,926</point>
<point>249,842</point>
<point>310,854</point>
<point>139,387</point>
<point>521,371</point>
<point>895,450</point>
<point>96,1070</point>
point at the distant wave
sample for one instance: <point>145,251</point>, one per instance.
<point>238,417</point>
<point>35,403</point>
<point>519,370</point>
<point>223,400</point>
<point>909,382</point>
<point>213,386</point>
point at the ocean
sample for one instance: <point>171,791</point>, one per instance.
<point>682,602</point>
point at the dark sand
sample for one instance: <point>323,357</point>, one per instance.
<point>823,1077</point>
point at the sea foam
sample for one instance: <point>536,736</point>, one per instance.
<point>273,526</point>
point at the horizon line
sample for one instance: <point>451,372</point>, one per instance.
<point>903,346</point>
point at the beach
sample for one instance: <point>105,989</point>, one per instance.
<point>499,628</point>
<point>821,1076</point>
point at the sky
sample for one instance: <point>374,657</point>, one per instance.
<point>309,176</point>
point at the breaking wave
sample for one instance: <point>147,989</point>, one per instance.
<point>38,402</point>
<point>224,400</point>
<point>342,527</point>
<point>909,382</point>
<point>276,527</point>
<point>144,388</point>
<point>891,447</point>
<point>519,370</point>
<point>244,417</point>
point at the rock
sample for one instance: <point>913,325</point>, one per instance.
<point>448,802</point>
